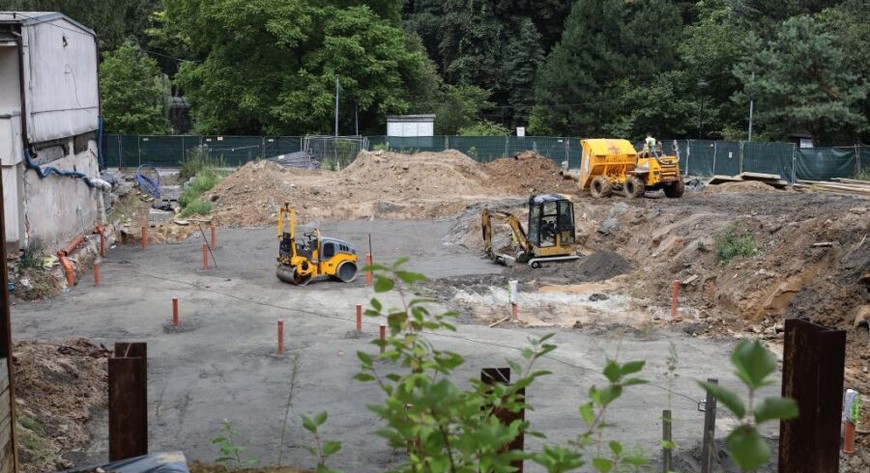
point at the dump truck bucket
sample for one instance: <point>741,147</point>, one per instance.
<point>606,157</point>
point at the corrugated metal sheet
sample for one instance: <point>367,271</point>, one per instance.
<point>61,85</point>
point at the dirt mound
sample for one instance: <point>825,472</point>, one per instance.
<point>529,173</point>
<point>57,388</point>
<point>380,184</point>
<point>740,187</point>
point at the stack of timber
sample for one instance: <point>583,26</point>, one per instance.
<point>837,185</point>
<point>773,180</point>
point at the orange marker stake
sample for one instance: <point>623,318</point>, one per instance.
<point>102,241</point>
<point>515,311</point>
<point>369,275</point>
<point>204,256</point>
<point>280,336</point>
<point>175,318</point>
<point>144,237</point>
<point>358,319</point>
<point>383,337</point>
<point>675,299</point>
<point>96,274</point>
<point>213,237</point>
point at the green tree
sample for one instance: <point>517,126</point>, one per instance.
<point>459,107</point>
<point>520,67</point>
<point>800,82</point>
<point>112,20</point>
<point>270,66</point>
<point>131,93</point>
<point>607,48</point>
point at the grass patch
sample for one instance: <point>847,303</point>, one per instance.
<point>196,207</point>
<point>31,438</point>
<point>735,243</point>
<point>205,178</point>
<point>31,257</point>
<point>863,175</point>
<point>196,162</point>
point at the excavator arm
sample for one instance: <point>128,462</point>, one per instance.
<point>519,233</point>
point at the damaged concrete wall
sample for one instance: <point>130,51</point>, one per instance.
<point>57,208</point>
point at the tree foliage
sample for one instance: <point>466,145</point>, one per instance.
<point>271,65</point>
<point>608,46</point>
<point>800,82</point>
<point>133,97</point>
<point>112,20</point>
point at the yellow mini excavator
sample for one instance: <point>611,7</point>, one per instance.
<point>551,235</point>
<point>301,261</point>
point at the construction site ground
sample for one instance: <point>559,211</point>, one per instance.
<point>615,302</point>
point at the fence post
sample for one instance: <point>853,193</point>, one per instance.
<point>715,150</point>
<point>857,160</point>
<point>708,444</point>
<point>793,164</point>
<point>740,157</point>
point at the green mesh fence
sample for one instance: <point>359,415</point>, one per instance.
<point>819,164</point>
<point>864,162</point>
<point>698,157</point>
<point>769,158</point>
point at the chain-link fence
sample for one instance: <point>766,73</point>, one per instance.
<point>698,157</point>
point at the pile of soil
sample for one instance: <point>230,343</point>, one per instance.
<point>380,184</point>
<point>57,388</point>
<point>539,175</point>
<point>740,187</point>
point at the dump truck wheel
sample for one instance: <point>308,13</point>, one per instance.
<point>675,190</point>
<point>600,187</point>
<point>633,187</point>
<point>346,271</point>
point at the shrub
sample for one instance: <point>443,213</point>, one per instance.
<point>735,242</point>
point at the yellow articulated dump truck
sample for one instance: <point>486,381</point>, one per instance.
<point>612,165</point>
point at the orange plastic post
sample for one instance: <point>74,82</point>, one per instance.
<point>280,336</point>
<point>96,274</point>
<point>369,275</point>
<point>213,237</point>
<point>515,311</point>
<point>674,299</point>
<point>144,237</point>
<point>175,320</point>
<point>102,233</point>
<point>383,337</point>
<point>359,319</point>
<point>204,256</point>
<point>848,438</point>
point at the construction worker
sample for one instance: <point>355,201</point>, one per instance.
<point>648,144</point>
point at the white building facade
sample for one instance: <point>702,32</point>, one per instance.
<point>49,124</point>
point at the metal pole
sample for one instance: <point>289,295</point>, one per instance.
<point>356,116</point>
<point>667,438</point>
<point>751,104</point>
<point>709,431</point>
<point>336,105</point>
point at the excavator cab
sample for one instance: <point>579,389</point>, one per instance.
<point>551,235</point>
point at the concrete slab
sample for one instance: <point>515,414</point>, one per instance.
<point>223,364</point>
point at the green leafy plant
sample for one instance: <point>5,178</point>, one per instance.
<point>322,449</point>
<point>754,366</point>
<point>230,451</point>
<point>484,128</point>
<point>863,175</point>
<point>734,243</point>
<point>446,428</point>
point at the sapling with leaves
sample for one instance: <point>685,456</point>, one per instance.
<point>754,366</point>
<point>445,428</point>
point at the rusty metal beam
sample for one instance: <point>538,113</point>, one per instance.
<point>493,376</point>
<point>812,373</point>
<point>128,401</point>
